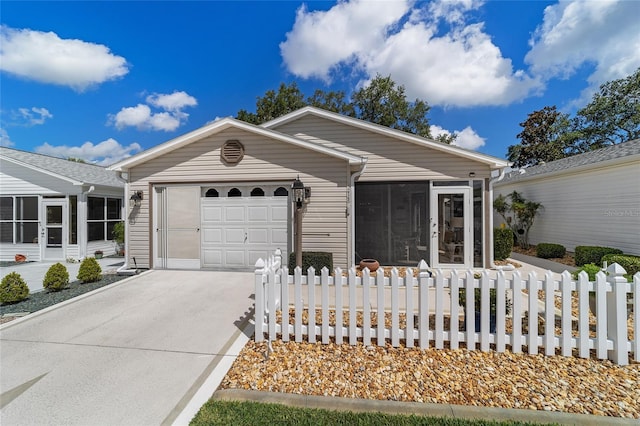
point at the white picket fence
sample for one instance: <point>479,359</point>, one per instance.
<point>425,304</point>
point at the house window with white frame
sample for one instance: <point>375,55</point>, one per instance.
<point>102,215</point>
<point>19,220</point>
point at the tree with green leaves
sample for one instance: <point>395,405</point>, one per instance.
<point>274,104</point>
<point>385,103</point>
<point>543,138</point>
<point>612,116</point>
<point>519,215</point>
<point>382,102</point>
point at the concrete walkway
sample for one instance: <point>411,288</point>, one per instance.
<point>132,353</point>
<point>33,272</point>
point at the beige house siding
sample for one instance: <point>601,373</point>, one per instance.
<point>599,206</point>
<point>388,158</point>
<point>265,160</point>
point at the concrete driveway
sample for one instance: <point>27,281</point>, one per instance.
<point>133,354</point>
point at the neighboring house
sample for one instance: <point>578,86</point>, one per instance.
<point>55,209</point>
<point>589,199</point>
<point>220,196</point>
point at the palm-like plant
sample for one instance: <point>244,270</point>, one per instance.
<point>518,213</point>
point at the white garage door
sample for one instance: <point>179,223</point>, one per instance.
<point>237,231</point>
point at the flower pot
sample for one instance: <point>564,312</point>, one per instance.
<point>20,258</point>
<point>372,264</point>
<point>98,255</point>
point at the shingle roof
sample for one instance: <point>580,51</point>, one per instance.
<point>81,172</point>
<point>612,152</point>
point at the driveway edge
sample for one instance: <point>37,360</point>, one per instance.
<point>421,409</point>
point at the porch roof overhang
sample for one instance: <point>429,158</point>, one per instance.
<point>35,169</point>
<point>354,161</point>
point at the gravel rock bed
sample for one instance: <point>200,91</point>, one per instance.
<point>45,298</point>
<point>490,379</point>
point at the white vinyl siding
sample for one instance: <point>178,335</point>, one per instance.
<point>388,159</point>
<point>595,207</point>
<point>265,160</point>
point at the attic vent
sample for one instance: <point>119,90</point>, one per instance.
<point>232,151</point>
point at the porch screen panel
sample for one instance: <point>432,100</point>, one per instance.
<point>392,222</point>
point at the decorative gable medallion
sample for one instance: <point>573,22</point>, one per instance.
<point>232,151</point>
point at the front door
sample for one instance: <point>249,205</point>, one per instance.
<point>451,242</point>
<point>53,232</point>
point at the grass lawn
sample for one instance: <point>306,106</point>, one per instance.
<point>254,413</point>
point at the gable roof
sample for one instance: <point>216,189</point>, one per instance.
<point>223,124</point>
<point>620,152</point>
<point>71,171</point>
<point>493,162</point>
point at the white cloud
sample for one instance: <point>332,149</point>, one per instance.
<point>5,140</point>
<point>603,34</point>
<point>461,67</point>
<point>465,138</point>
<point>103,153</point>
<point>47,58</point>
<point>142,117</point>
<point>34,116</point>
<point>173,102</point>
<point>320,40</point>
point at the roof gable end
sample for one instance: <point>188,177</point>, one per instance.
<point>493,162</point>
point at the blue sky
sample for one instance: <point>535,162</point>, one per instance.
<point>105,80</point>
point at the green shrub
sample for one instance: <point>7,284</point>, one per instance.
<point>590,268</point>
<point>550,250</point>
<point>502,243</point>
<point>317,259</point>
<point>13,288</point>
<point>56,278</point>
<point>90,270</point>
<point>630,263</point>
<point>593,254</point>
<point>477,300</point>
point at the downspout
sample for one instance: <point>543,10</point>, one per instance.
<point>352,208</point>
<point>493,265</point>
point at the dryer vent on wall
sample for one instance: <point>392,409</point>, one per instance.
<point>232,152</point>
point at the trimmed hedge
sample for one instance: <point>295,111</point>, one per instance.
<point>502,243</point>
<point>13,288</point>
<point>90,270</point>
<point>593,254</point>
<point>317,259</point>
<point>56,278</point>
<point>630,263</point>
<point>590,268</point>
<point>550,250</point>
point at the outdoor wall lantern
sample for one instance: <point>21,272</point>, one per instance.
<point>136,199</point>
<point>299,197</point>
<point>472,174</point>
<point>299,193</point>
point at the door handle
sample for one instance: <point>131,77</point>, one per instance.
<point>245,237</point>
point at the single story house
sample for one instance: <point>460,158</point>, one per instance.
<point>589,199</point>
<point>56,209</point>
<point>221,196</point>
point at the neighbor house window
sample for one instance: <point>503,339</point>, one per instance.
<point>102,215</point>
<point>19,220</point>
